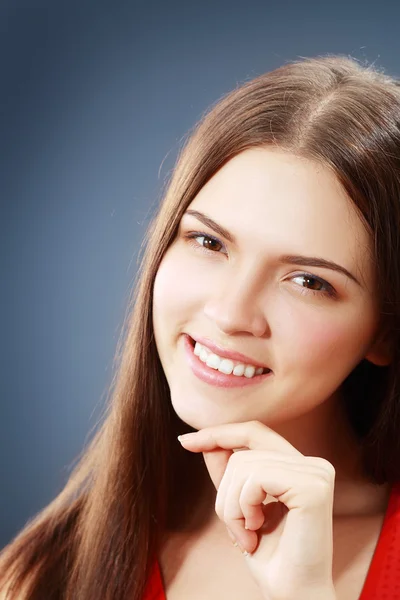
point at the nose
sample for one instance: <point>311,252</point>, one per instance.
<point>235,308</point>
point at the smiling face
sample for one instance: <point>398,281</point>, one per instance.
<point>311,324</point>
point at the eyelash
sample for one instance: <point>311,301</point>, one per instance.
<point>330,291</point>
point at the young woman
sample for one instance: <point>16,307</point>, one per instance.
<point>265,324</point>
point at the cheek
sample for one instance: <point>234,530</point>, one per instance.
<point>163,302</point>
<point>164,288</point>
<point>177,291</point>
<point>321,342</point>
<point>335,343</point>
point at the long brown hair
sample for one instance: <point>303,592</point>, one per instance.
<point>97,539</point>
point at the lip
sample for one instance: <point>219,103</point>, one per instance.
<point>223,353</point>
<point>215,377</point>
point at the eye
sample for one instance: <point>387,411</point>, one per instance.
<point>207,243</point>
<point>316,285</point>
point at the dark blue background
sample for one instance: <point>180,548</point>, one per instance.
<point>96,98</point>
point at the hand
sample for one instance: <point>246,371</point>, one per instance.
<point>290,556</point>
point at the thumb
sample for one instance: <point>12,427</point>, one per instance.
<point>216,463</point>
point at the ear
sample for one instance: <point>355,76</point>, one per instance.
<point>380,352</point>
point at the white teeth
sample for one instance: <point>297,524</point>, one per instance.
<point>213,361</point>
<point>239,370</point>
<point>249,371</point>
<point>203,354</point>
<point>225,365</point>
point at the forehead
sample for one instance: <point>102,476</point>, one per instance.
<point>278,202</point>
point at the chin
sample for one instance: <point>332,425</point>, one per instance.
<point>200,411</point>
<point>198,418</point>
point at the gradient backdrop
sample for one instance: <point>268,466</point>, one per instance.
<point>96,98</point>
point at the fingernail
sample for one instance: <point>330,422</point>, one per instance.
<point>244,552</point>
<point>184,437</point>
<point>236,543</point>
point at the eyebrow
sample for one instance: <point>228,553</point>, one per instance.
<point>293,259</point>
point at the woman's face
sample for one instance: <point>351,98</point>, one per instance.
<point>308,322</point>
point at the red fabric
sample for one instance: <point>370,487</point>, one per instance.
<point>383,577</point>
<point>155,589</point>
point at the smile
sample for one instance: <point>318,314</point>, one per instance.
<point>218,371</point>
<point>225,365</point>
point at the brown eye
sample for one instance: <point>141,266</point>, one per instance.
<point>211,244</point>
<point>312,283</point>
<point>205,242</point>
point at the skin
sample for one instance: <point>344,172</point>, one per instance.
<point>241,296</point>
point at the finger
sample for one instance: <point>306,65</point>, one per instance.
<point>251,498</point>
<point>235,522</point>
<point>252,435</point>
<point>243,504</point>
<point>216,463</point>
<point>233,516</point>
<point>228,506</point>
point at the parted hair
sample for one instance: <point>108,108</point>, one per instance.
<point>133,482</point>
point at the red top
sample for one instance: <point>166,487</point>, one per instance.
<point>383,578</point>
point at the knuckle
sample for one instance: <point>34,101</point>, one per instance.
<point>328,470</point>
<point>328,467</point>
<point>322,489</point>
<point>256,424</point>
<point>230,515</point>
